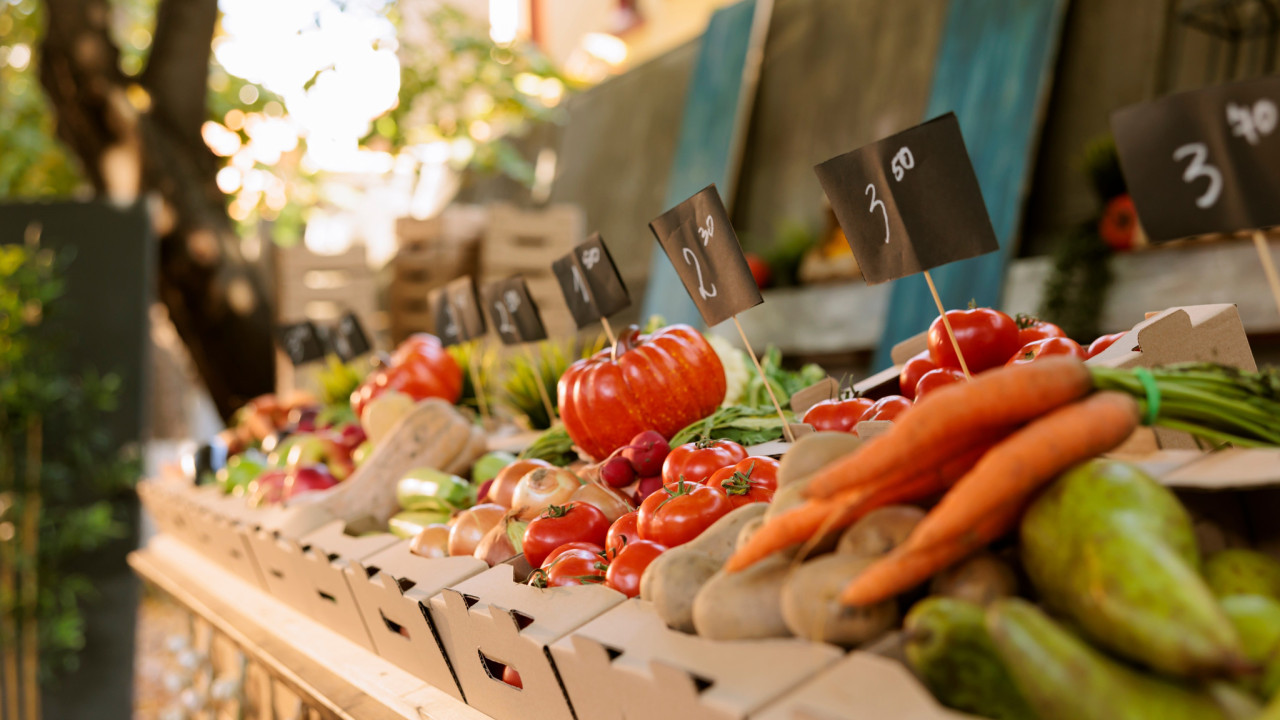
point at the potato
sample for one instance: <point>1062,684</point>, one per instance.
<point>673,579</point>
<point>811,603</point>
<point>879,531</point>
<point>785,498</point>
<point>980,579</point>
<point>748,529</point>
<point>811,452</point>
<point>744,605</point>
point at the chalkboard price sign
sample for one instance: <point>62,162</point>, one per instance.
<point>513,312</point>
<point>348,338</point>
<point>302,342</point>
<point>699,239</point>
<point>592,287</point>
<point>457,312</point>
<point>910,202</point>
<point>1206,161</point>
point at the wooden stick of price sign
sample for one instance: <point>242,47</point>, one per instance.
<point>699,239</point>
<point>1206,161</point>
<point>909,203</point>
<point>515,317</point>
<point>592,286</point>
<point>458,320</point>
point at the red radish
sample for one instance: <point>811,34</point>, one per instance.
<point>618,472</point>
<point>648,486</point>
<point>646,452</point>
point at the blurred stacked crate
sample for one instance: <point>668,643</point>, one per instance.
<point>526,242</point>
<point>431,253</point>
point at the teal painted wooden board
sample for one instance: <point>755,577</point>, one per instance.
<point>994,69</point>
<point>704,152</point>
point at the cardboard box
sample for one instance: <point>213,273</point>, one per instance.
<point>391,589</point>
<point>628,664</point>
<point>862,686</point>
<point>320,563</point>
<point>490,621</point>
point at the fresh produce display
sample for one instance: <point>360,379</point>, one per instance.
<point>661,381</point>
<point>991,538</point>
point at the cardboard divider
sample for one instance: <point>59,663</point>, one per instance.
<point>489,622</point>
<point>860,687</point>
<point>319,566</point>
<point>628,664</point>
<point>392,588</point>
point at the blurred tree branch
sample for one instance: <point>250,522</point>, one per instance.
<point>139,139</point>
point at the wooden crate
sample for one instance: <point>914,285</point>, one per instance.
<point>431,253</point>
<point>323,288</point>
<point>527,242</point>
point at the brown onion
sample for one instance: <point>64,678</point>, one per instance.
<point>469,527</point>
<point>610,501</point>
<point>504,483</point>
<point>432,541</point>
<point>541,488</point>
<point>501,543</point>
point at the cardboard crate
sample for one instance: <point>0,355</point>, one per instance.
<point>490,621</point>
<point>628,664</point>
<point>862,686</point>
<point>391,589</point>
<point>312,567</point>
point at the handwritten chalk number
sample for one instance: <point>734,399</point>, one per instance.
<point>692,259</point>
<point>1198,168</point>
<point>871,190</point>
<point>578,284</point>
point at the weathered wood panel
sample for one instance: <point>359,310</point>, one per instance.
<point>837,74</point>
<point>994,69</point>
<point>615,157</point>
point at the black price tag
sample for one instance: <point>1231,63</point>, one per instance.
<point>699,239</point>
<point>348,339</point>
<point>457,312</point>
<point>592,286</point>
<point>910,202</point>
<point>302,342</point>
<point>1206,161</point>
<point>512,311</point>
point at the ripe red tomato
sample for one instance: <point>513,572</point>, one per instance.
<point>420,368</point>
<point>1102,343</point>
<point>837,415</point>
<point>986,337</point>
<point>592,548</point>
<point>511,677</point>
<point>662,382</point>
<point>760,271</point>
<point>752,480</point>
<point>622,533</point>
<point>572,567</point>
<point>696,461</point>
<point>560,524</point>
<point>1033,328</point>
<point>625,570</point>
<point>935,379</point>
<point>1037,349</point>
<point>1119,223</point>
<point>680,512</point>
<point>912,371</point>
<point>886,408</point>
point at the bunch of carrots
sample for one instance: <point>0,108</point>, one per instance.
<point>987,446</point>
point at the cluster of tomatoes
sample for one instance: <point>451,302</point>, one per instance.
<point>701,483</point>
<point>987,338</point>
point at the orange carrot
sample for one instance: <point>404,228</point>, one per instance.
<point>818,517</point>
<point>953,419</point>
<point>907,567</point>
<point>1028,459</point>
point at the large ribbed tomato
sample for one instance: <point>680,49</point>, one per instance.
<point>420,368</point>
<point>663,381</point>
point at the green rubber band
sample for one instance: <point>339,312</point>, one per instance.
<point>1153,394</point>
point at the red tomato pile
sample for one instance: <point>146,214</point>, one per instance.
<point>574,545</point>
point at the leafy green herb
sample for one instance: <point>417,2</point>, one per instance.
<point>555,446</point>
<point>743,424</point>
